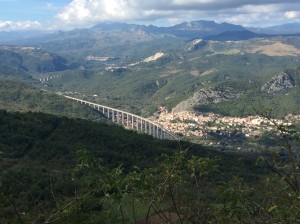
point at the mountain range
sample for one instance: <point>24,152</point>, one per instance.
<point>289,28</point>
<point>187,30</point>
<point>63,162</point>
<point>111,61</point>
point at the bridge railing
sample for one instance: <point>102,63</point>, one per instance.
<point>129,120</point>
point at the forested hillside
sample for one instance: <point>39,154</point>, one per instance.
<point>38,154</point>
<point>63,162</point>
<point>17,96</point>
<point>193,66</point>
<point>31,59</point>
<point>59,170</point>
<point>255,100</point>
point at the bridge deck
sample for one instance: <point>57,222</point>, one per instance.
<point>130,121</point>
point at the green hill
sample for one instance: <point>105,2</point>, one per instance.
<point>61,162</point>
<point>14,73</point>
<point>40,179</point>
<point>17,96</point>
<point>31,59</point>
<point>255,101</point>
<point>38,154</point>
<point>112,70</point>
<point>176,77</point>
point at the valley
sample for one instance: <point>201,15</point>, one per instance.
<point>123,123</point>
<point>224,78</point>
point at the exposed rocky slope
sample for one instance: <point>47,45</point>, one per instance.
<point>280,82</point>
<point>206,96</point>
<point>154,57</point>
<point>195,44</point>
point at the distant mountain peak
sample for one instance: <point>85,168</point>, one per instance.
<point>192,29</point>
<point>206,28</point>
<point>187,30</point>
<point>288,28</point>
<point>195,24</point>
<point>234,35</point>
<point>118,26</point>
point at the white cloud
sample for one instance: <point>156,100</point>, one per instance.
<point>257,9</point>
<point>252,15</point>
<point>80,13</point>
<point>188,2</point>
<point>292,14</point>
<point>248,19</point>
<point>84,12</point>
<point>21,25</point>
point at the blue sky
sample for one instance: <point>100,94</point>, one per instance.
<point>22,10</point>
<point>68,14</point>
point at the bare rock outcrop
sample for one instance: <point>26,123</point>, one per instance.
<point>196,44</point>
<point>280,82</point>
<point>206,96</point>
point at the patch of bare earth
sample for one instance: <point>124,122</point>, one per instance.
<point>193,59</point>
<point>171,71</point>
<point>195,73</point>
<point>154,57</point>
<point>208,72</point>
<point>276,49</point>
<point>228,52</point>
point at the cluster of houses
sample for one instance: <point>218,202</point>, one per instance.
<point>199,124</point>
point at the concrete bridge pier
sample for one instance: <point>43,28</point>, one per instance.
<point>112,115</point>
<point>136,124</point>
<point>146,127</point>
<point>123,118</point>
<point>132,122</point>
<point>118,117</point>
<point>150,129</point>
<point>129,120</point>
<point>142,126</point>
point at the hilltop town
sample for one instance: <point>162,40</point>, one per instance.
<point>203,126</point>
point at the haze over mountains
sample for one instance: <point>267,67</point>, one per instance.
<point>194,57</point>
<point>190,30</point>
<point>289,28</point>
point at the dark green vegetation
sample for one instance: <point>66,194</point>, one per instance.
<point>179,74</point>
<point>254,100</point>
<point>188,65</point>
<point>185,68</point>
<point>41,182</point>
<point>62,170</point>
<point>13,73</point>
<point>39,151</point>
<point>31,60</point>
<point>17,96</point>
